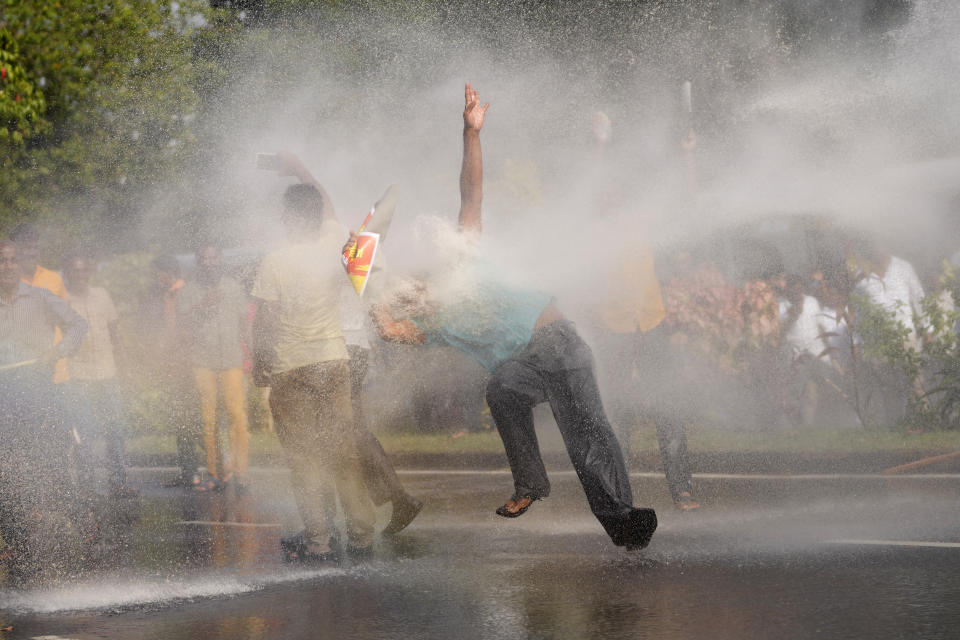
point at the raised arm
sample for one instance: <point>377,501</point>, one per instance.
<point>471,172</point>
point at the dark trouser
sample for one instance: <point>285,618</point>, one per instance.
<point>557,367</point>
<point>378,473</point>
<point>38,499</point>
<point>641,382</point>
<point>181,404</point>
<point>103,417</point>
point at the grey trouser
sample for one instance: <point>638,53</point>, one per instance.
<point>557,367</point>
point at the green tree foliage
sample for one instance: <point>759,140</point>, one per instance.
<point>98,93</point>
<point>933,371</point>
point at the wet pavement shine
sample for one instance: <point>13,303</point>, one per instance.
<point>766,557</point>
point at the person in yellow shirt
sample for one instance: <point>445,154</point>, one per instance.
<point>635,352</point>
<point>639,372</point>
<point>27,238</point>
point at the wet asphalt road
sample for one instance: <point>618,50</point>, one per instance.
<point>832,557</point>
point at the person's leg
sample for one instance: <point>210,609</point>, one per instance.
<point>18,450</point>
<point>266,400</point>
<point>109,410</point>
<point>511,406</point>
<point>659,399</point>
<point>618,384</point>
<point>379,475</point>
<point>295,407</point>
<point>337,433</point>
<point>574,397</point>
<point>86,420</point>
<point>590,441</point>
<point>206,381</point>
<point>234,400</point>
<point>672,438</point>
<point>181,399</point>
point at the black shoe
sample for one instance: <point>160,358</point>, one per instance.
<point>300,548</point>
<point>638,529</point>
<point>405,509</point>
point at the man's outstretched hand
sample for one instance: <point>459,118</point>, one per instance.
<point>472,111</point>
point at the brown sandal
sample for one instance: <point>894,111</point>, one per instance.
<point>515,507</point>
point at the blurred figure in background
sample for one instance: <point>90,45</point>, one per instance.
<point>27,238</point>
<point>40,507</point>
<point>891,284</point>
<point>163,357</point>
<point>638,373</point>
<point>93,370</point>
<point>213,323</point>
<point>802,344</point>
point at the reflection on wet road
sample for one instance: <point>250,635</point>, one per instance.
<point>767,557</point>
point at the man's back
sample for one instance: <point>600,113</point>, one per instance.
<point>303,281</point>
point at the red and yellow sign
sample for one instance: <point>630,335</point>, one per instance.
<point>358,257</point>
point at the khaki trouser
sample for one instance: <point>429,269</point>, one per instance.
<point>314,421</point>
<point>230,383</point>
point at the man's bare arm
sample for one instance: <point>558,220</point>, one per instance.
<point>393,330</point>
<point>471,172</point>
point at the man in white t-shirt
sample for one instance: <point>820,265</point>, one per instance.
<point>300,352</point>
<point>892,283</point>
<point>378,472</point>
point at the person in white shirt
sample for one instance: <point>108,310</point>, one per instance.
<point>803,344</point>
<point>893,284</point>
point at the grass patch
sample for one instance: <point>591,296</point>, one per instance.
<point>484,442</point>
<point>814,440</point>
<point>817,440</point>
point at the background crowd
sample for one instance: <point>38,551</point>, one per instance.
<point>756,335</point>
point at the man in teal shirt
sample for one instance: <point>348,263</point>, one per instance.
<point>534,355</point>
